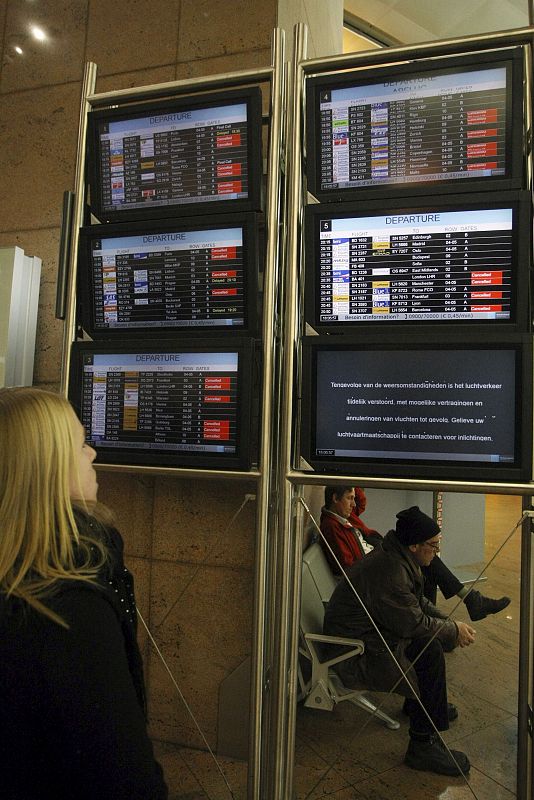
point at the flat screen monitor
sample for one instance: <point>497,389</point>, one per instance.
<point>454,121</point>
<point>463,261</point>
<point>169,405</point>
<point>457,411</point>
<point>186,153</point>
<point>146,278</point>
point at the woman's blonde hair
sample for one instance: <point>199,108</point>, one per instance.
<point>40,543</point>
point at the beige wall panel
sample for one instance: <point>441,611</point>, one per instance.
<point>53,386</point>
<point>169,586</point>
<point>129,497</point>
<point>38,135</point>
<point>130,35</point>
<point>193,522</point>
<point>127,80</point>
<point>59,58</point>
<point>204,635</point>
<point>48,339</point>
<point>210,28</point>
<point>248,59</point>
<point>5,55</point>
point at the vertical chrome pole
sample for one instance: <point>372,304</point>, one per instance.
<point>525,699</point>
<point>525,754</point>
<point>287,587</point>
<point>88,88</point>
<point>271,282</point>
<point>527,114</point>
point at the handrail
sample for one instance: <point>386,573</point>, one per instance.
<point>421,484</point>
<point>185,86</point>
<point>64,254</point>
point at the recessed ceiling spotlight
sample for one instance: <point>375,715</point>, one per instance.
<point>18,50</point>
<point>37,33</point>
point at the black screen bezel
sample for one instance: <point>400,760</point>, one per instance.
<point>515,172</point>
<point>241,460</point>
<point>521,470</point>
<point>250,95</point>
<point>520,296</point>
<point>86,302</point>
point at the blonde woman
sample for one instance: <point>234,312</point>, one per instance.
<point>71,682</point>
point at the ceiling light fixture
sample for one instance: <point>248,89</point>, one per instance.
<point>37,33</point>
<point>18,50</point>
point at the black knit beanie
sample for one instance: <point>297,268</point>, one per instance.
<point>413,526</point>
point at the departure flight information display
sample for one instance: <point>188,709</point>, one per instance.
<point>183,152</point>
<point>423,266</point>
<point>431,125</point>
<point>172,279</point>
<point>170,402</point>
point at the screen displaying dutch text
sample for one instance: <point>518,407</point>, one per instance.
<point>432,405</point>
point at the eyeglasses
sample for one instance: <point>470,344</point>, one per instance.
<point>435,546</point>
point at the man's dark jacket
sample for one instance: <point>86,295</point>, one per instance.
<point>390,584</point>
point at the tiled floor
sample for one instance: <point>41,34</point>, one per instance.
<point>345,755</point>
<point>193,775</point>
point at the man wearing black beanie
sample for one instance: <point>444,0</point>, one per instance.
<point>389,583</point>
<point>345,539</point>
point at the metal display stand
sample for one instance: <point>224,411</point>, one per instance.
<point>275,77</point>
<point>290,478</point>
<point>278,477</point>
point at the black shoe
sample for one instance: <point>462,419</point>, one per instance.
<point>479,606</point>
<point>452,711</point>
<point>432,756</point>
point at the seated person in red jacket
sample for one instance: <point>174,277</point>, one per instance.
<point>351,540</point>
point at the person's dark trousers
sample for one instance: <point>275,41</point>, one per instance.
<point>437,574</point>
<point>432,679</point>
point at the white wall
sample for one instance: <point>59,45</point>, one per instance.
<point>324,19</point>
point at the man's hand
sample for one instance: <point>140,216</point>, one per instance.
<point>466,634</point>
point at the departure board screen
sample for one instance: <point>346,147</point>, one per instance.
<point>165,277</point>
<point>180,154</point>
<point>464,260</point>
<point>421,266</point>
<point>418,409</point>
<point>162,405</point>
<point>412,126</point>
